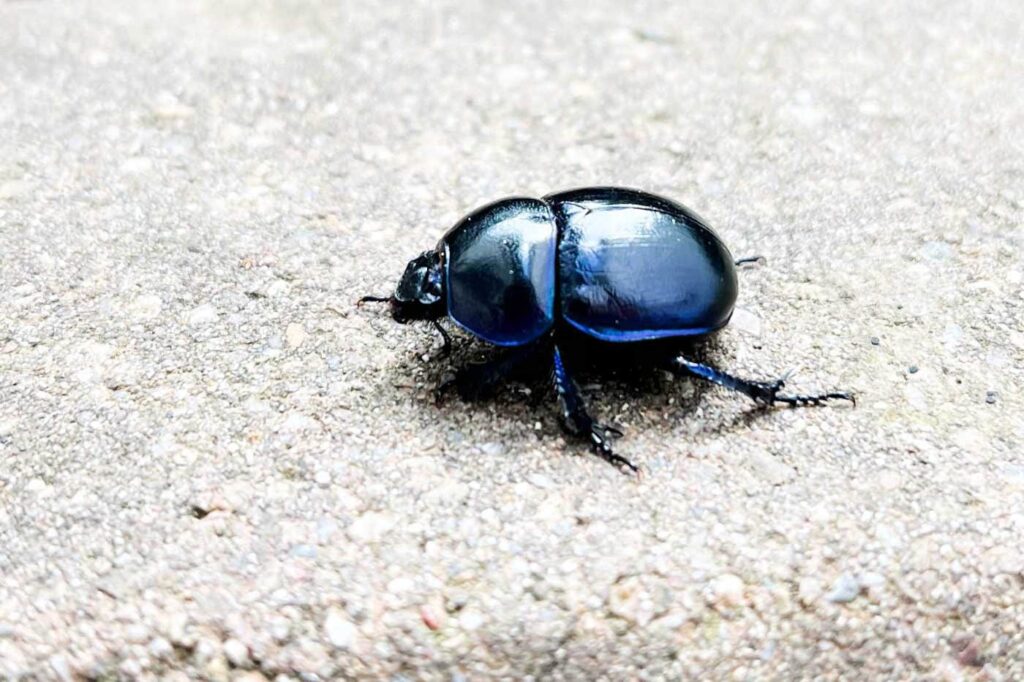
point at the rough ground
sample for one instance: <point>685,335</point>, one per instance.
<point>212,465</point>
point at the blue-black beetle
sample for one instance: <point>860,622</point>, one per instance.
<point>617,265</point>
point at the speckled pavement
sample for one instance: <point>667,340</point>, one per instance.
<point>212,465</point>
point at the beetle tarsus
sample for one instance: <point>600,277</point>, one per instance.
<point>764,392</point>
<point>599,437</point>
<point>577,422</point>
<point>373,299</point>
<point>820,399</point>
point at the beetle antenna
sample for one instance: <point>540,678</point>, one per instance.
<point>373,299</point>
<point>750,259</point>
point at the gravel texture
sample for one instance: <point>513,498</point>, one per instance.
<point>213,465</point>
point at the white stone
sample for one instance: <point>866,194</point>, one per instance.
<point>371,527</point>
<point>727,590</point>
<point>470,620</point>
<point>202,314</point>
<point>746,321</point>
<point>340,631</point>
<point>845,589</point>
<point>295,334</point>
<point>809,590</point>
<point>146,306</point>
<point>237,653</point>
<point>7,426</point>
<point>160,648</point>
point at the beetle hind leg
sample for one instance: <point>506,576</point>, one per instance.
<point>763,392</point>
<point>577,422</point>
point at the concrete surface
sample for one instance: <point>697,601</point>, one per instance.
<point>212,465</point>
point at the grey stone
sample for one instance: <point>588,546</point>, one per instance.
<point>844,589</point>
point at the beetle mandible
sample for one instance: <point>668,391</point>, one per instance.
<point>620,266</point>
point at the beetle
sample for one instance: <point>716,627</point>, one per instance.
<point>615,265</point>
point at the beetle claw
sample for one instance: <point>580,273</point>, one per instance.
<point>621,463</point>
<point>811,400</point>
<point>600,440</point>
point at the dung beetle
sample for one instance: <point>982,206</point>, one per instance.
<point>619,266</point>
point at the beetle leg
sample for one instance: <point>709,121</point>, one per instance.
<point>477,380</point>
<point>577,422</point>
<point>764,392</point>
<point>447,339</point>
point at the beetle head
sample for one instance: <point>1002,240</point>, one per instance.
<point>420,292</point>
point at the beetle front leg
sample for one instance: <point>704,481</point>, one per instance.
<point>764,392</point>
<point>447,348</point>
<point>577,422</point>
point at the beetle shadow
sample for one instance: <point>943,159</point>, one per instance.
<point>634,375</point>
<point>608,376</point>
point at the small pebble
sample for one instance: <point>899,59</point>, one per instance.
<point>303,551</point>
<point>844,589</point>
<point>991,397</point>
<point>492,449</point>
<point>875,341</point>
<point>7,426</point>
<point>912,369</point>
<point>202,314</point>
<point>295,334</point>
<point>727,590</point>
<point>60,667</point>
<point>146,306</point>
<point>370,527</point>
<point>340,631</point>
<point>161,649</point>
<point>471,620</point>
<point>952,334</point>
<point>938,251</point>
<point>431,618</point>
<point>809,590</point>
<point>236,652</point>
